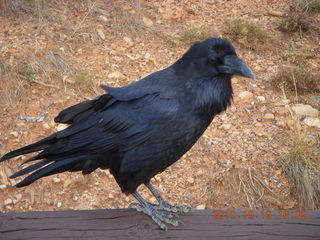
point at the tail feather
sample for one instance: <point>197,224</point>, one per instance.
<point>53,168</point>
<point>40,145</point>
<point>30,168</point>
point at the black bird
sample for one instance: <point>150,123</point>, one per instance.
<point>140,129</point>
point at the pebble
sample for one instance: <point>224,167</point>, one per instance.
<point>115,75</point>
<point>147,21</point>
<point>261,98</point>
<point>153,199</point>
<point>312,122</point>
<point>101,34</point>
<point>61,126</point>
<point>46,126</point>
<point>281,123</point>
<point>245,95</point>
<point>56,180</point>
<point>226,126</point>
<point>59,204</point>
<point>269,116</point>
<point>3,186</point>
<point>190,179</point>
<point>305,110</point>
<point>128,41</point>
<point>31,119</point>
<point>103,19</point>
<point>14,133</point>
<point>8,201</point>
<point>235,80</point>
<point>201,207</point>
<point>18,196</point>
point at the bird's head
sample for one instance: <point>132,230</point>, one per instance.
<point>216,57</point>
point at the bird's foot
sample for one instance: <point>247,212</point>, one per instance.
<point>158,216</point>
<point>165,206</point>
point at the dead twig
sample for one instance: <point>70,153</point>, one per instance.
<point>83,19</point>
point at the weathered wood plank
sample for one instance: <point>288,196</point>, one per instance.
<point>129,224</point>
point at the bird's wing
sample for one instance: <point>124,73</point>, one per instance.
<point>136,90</point>
<point>98,128</point>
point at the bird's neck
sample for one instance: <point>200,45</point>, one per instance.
<point>212,96</point>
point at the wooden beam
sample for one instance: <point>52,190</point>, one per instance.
<point>130,224</point>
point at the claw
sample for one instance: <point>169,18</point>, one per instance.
<point>162,213</point>
<point>158,216</point>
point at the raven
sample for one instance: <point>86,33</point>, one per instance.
<point>139,130</point>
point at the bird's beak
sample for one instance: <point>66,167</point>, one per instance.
<point>233,65</point>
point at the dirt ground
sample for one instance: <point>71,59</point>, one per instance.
<point>236,162</point>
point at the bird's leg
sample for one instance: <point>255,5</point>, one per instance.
<point>164,205</point>
<point>157,216</point>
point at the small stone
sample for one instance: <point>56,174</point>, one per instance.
<point>190,180</point>
<point>45,126</point>
<point>3,186</point>
<point>269,116</point>
<point>101,34</point>
<point>281,123</point>
<point>235,80</point>
<point>147,55</point>
<point>312,122</point>
<point>153,199</point>
<point>59,204</point>
<point>226,126</point>
<point>245,95</point>
<point>14,133</point>
<point>111,196</point>
<point>61,126</point>
<point>127,199</point>
<point>147,21</point>
<point>18,196</point>
<point>56,180</point>
<point>115,75</point>
<point>127,40</point>
<point>305,110</point>
<point>201,207</point>
<point>8,201</point>
<point>54,202</point>
<point>103,19</point>
<point>200,172</point>
<point>261,98</point>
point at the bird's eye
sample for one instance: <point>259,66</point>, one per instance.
<point>213,61</point>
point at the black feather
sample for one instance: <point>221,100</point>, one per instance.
<point>140,129</point>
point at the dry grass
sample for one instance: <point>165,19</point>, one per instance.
<point>297,80</point>
<point>12,88</point>
<point>84,80</point>
<point>246,186</point>
<point>298,56</point>
<point>312,6</point>
<point>250,34</point>
<point>302,166</point>
<point>192,35</point>
<point>297,17</point>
